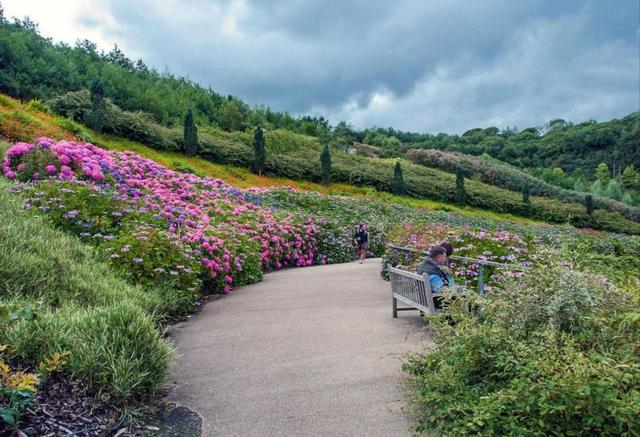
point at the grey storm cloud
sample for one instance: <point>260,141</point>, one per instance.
<point>417,65</point>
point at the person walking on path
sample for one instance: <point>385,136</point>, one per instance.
<point>361,240</point>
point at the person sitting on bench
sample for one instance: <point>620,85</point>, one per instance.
<point>438,278</point>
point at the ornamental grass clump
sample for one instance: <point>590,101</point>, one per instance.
<point>554,352</point>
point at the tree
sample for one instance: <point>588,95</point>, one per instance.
<point>588,202</point>
<point>190,135</point>
<point>95,117</point>
<point>231,117</point>
<point>525,200</point>
<point>325,160</point>
<point>259,151</point>
<point>602,173</point>
<point>461,195</point>
<point>629,177</point>
<point>614,190</point>
<point>397,185</point>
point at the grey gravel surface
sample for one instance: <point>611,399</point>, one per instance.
<point>307,352</point>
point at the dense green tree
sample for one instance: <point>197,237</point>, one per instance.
<point>461,194</point>
<point>259,151</point>
<point>95,118</point>
<point>526,202</point>
<point>398,185</point>
<point>614,190</point>
<point>588,202</point>
<point>325,161</point>
<point>603,174</point>
<point>231,117</point>
<point>190,135</point>
<point>630,178</point>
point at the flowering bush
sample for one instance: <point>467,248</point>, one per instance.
<point>124,201</point>
<point>488,245</point>
<point>552,353</point>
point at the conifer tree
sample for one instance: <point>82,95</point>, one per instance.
<point>525,200</point>
<point>588,202</point>
<point>461,194</point>
<point>95,117</point>
<point>397,185</point>
<point>190,135</point>
<point>325,160</point>
<point>259,151</point>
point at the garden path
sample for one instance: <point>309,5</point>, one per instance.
<point>308,351</point>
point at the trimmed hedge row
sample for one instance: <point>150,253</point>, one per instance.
<point>501,175</point>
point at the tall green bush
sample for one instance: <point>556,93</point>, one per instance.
<point>259,151</point>
<point>461,194</point>
<point>190,135</point>
<point>398,185</point>
<point>96,117</point>
<point>325,161</point>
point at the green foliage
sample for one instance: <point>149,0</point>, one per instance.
<point>108,326</point>
<point>325,162</point>
<point>398,185</point>
<point>95,118</point>
<point>602,173</point>
<point>259,151</point>
<point>525,201</point>
<point>75,128</point>
<point>137,126</point>
<point>461,194</point>
<point>614,190</point>
<point>190,142</point>
<point>38,105</point>
<point>630,178</point>
<point>553,353</point>
<point>231,117</point>
<point>500,174</point>
<point>588,202</point>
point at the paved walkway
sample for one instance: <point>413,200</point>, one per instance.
<point>311,351</point>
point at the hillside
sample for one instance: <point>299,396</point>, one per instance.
<point>35,68</point>
<point>289,158</point>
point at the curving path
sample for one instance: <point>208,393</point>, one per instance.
<point>311,351</point>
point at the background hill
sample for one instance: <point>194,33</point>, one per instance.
<point>148,106</point>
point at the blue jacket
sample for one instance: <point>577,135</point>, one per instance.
<point>437,277</point>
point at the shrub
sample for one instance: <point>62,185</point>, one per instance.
<point>552,353</point>
<point>116,349</point>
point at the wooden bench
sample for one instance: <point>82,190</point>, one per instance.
<point>411,289</point>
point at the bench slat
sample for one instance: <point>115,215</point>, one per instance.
<point>411,289</point>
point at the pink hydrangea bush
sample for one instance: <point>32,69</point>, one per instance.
<point>219,221</point>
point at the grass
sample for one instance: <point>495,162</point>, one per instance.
<point>109,327</point>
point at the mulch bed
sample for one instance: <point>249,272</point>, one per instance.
<point>64,407</point>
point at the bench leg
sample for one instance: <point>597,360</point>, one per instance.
<point>395,308</point>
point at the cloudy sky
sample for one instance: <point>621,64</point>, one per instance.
<point>420,65</point>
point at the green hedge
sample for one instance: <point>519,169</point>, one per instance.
<point>499,174</point>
